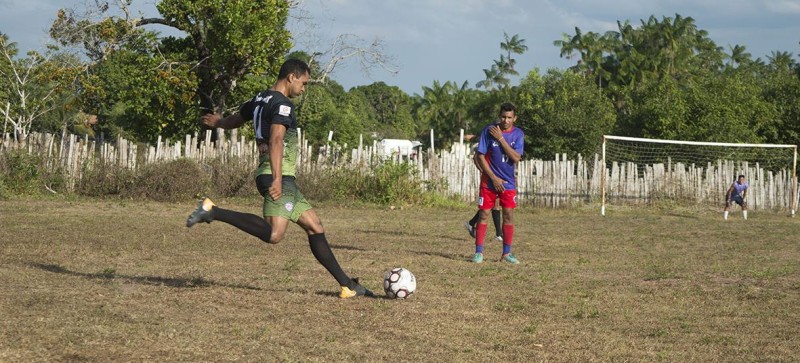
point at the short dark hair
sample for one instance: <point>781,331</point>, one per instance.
<point>293,66</point>
<point>740,176</point>
<point>508,106</point>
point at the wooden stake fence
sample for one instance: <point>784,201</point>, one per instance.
<point>560,182</point>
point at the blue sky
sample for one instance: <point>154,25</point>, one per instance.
<point>453,40</point>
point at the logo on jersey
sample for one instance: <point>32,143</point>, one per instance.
<point>284,110</point>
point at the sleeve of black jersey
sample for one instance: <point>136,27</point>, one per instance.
<point>247,109</point>
<point>282,113</point>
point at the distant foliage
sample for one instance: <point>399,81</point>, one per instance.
<point>388,184</point>
<point>173,181</point>
<point>24,174</point>
<point>562,113</point>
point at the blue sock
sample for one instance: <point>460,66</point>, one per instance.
<point>479,249</point>
<point>506,249</point>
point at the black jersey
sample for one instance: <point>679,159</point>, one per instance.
<point>268,108</point>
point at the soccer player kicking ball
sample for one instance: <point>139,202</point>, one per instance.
<point>273,117</point>
<point>736,193</point>
<point>499,149</point>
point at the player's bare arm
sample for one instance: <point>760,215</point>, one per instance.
<point>512,154</point>
<point>277,132</point>
<point>216,120</point>
<point>483,165</point>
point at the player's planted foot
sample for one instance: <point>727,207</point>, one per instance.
<point>477,258</point>
<point>470,229</point>
<point>499,238</point>
<point>202,213</point>
<point>357,290</point>
<point>510,259</point>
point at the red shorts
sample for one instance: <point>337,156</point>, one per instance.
<point>488,197</point>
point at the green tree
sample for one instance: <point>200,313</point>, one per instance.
<point>513,45</point>
<point>739,56</point>
<point>620,60</point>
<point>138,100</point>
<point>391,109</point>
<point>493,78</point>
<point>498,75</point>
<point>446,108</point>
<point>722,108</point>
<point>326,107</point>
<point>782,62</point>
<point>224,41</point>
<point>783,92</point>
<point>561,112</point>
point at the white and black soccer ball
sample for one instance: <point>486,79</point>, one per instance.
<point>399,283</point>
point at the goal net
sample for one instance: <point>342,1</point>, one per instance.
<point>646,171</point>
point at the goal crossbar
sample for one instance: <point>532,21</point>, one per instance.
<point>659,141</point>
<point>697,143</point>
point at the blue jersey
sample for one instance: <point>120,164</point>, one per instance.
<point>500,164</point>
<point>738,188</point>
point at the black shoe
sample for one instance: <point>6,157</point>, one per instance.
<point>201,214</point>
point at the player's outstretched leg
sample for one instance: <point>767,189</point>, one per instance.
<point>322,252</point>
<point>250,223</point>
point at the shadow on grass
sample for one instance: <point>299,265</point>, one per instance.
<point>336,295</point>
<point>449,256</point>
<point>411,234</point>
<point>144,280</point>
<point>348,248</point>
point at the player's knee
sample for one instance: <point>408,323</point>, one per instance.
<point>276,237</point>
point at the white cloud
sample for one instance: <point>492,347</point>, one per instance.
<point>783,6</point>
<point>455,39</point>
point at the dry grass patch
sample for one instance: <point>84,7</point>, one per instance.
<point>124,281</point>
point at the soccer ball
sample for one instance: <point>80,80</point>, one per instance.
<point>399,283</point>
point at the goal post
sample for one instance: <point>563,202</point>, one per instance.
<point>643,171</point>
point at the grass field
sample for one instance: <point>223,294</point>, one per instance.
<point>111,281</point>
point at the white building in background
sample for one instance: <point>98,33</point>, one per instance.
<point>392,147</point>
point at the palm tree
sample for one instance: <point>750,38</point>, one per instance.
<point>493,78</point>
<point>781,61</point>
<point>513,45</point>
<point>445,106</point>
<point>738,56</point>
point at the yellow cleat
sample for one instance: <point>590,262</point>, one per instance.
<point>358,290</point>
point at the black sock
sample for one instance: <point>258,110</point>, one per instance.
<point>474,220</point>
<point>498,229</point>
<point>250,223</point>
<point>322,251</point>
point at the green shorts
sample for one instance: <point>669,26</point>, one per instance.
<point>291,205</point>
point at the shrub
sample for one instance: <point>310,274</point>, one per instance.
<point>20,172</point>
<point>26,174</point>
<point>171,181</point>
<point>388,183</point>
<point>105,180</point>
<point>233,177</point>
